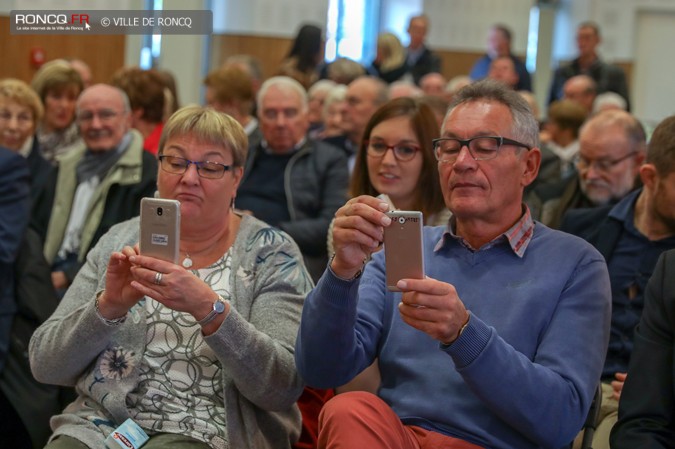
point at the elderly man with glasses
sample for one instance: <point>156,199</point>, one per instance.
<point>611,150</point>
<point>501,344</point>
<point>96,185</point>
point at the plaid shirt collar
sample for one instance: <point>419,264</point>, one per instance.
<point>518,236</point>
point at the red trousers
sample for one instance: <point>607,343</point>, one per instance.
<point>361,419</point>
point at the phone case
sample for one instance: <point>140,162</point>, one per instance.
<point>403,252</point>
<point>160,228</point>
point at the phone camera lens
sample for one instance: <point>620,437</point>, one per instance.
<point>401,220</point>
<point>159,211</point>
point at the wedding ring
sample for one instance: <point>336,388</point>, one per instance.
<point>158,278</point>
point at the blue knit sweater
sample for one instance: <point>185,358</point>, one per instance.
<point>522,374</point>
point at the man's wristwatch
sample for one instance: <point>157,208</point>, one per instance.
<point>218,308</point>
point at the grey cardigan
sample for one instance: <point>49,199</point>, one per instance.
<point>254,344</point>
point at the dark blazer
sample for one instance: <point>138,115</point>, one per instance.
<point>14,214</point>
<point>593,224</point>
<point>34,402</point>
<point>39,170</point>
<point>427,63</point>
<point>609,78</point>
<point>647,405</point>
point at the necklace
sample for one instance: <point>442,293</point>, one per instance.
<point>187,262</point>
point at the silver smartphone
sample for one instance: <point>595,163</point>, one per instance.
<point>160,229</point>
<point>403,253</point>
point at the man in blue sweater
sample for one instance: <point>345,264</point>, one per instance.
<point>503,342</point>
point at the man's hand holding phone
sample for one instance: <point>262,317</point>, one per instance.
<point>432,307</point>
<point>358,230</point>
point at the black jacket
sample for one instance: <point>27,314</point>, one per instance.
<point>315,183</point>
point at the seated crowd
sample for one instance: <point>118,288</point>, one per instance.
<point>275,327</point>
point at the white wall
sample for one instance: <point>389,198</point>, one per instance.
<point>463,24</point>
<point>266,17</point>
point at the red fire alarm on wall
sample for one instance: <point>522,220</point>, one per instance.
<point>37,57</point>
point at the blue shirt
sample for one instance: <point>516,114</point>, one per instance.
<point>630,266</point>
<point>481,69</point>
<point>523,372</point>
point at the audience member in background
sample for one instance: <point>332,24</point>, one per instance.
<point>404,88</point>
<point>344,71</point>
<point>147,97</point>
<point>26,406</point>
<point>510,311</point>
<point>20,112</point>
<point>433,84</point>
<point>230,90</point>
<point>438,105</point>
<point>58,85</point>
<point>84,71</point>
<point>14,215</point>
<point>631,235</point>
<point>251,65</point>
<point>549,167</point>
<point>98,184</point>
<point>408,173</point>
<point>199,357</point>
<point>170,83</point>
<point>561,129</point>
<point>455,84</point>
<point>611,149</point>
<point>334,110</point>
<point>420,60</point>
<point>292,182</point>
<point>609,100</point>
<point>532,103</point>
<point>646,418</point>
<point>389,63</point>
<point>306,54</point>
<point>607,77</point>
<point>364,96</point>
<point>499,45</point>
<point>581,89</point>
<point>317,94</point>
<point>503,70</point>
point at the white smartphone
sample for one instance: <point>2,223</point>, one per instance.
<point>403,253</point>
<point>160,229</point>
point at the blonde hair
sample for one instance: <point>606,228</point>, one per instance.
<point>19,92</point>
<point>207,125</point>
<point>56,75</point>
<point>393,52</point>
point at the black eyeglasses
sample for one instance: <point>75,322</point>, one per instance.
<point>206,169</point>
<point>601,165</point>
<point>481,148</point>
<point>402,151</point>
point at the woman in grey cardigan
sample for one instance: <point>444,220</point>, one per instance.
<point>199,353</point>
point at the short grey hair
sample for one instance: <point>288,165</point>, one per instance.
<point>126,105</point>
<point>525,127</point>
<point>286,84</point>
